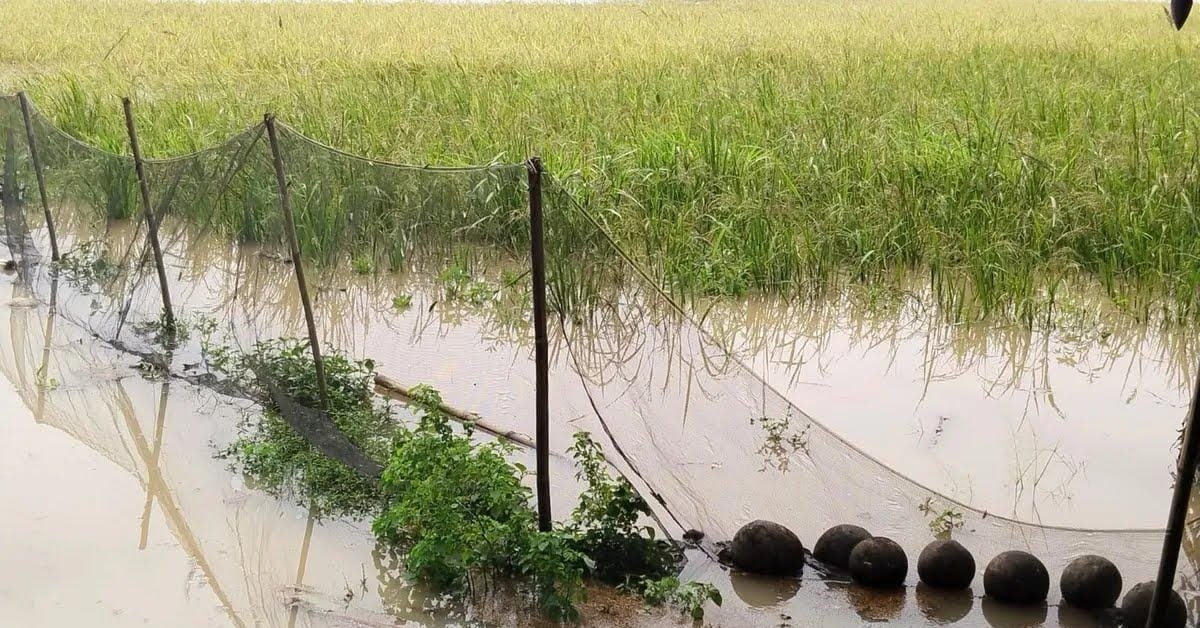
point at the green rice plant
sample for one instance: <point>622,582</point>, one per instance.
<point>732,147</point>
<point>112,187</point>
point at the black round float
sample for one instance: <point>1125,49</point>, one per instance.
<point>946,564</point>
<point>878,562</point>
<point>1135,607</point>
<point>1091,582</point>
<point>765,547</point>
<point>835,545</point>
<point>1016,577</point>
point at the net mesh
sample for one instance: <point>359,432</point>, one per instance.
<point>425,272</point>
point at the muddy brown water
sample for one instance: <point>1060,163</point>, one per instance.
<point>118,513</point>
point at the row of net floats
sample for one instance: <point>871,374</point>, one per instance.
<point>1089,582</point>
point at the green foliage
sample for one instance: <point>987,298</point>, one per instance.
<point>606,523</point>
<point>278,458</point>
<point>783,146</point>
<point>362,266</point>
<point>402,302</point>
<point>460,509</point>
<point>44,381</point>
<point>456,508</point>
<point>688,597</point>
<point>160,331</point>
<point>88,267</point>
<point>943,521</point>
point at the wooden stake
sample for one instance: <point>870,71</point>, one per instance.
<point>151,221</point>
<point>541,344</point>
<point>37,169</point>
<point>289,222</point>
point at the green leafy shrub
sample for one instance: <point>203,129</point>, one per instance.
<point>605,524</point>
<point>461,510</point>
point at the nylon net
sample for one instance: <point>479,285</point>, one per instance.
<point>424,271</point>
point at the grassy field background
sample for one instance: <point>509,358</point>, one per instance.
<point>1004,148</point>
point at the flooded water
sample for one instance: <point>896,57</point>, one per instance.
<point>119,512</point>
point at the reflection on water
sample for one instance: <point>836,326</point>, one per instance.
<point>941,606</point>
<point>252,557</point>
<point>761,591</point>
<point>1074,417</point>
<point>1001,615</point>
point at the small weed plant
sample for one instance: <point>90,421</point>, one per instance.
<point>943,521</point>
<point>688,597</point>
<point>167,333</point>
<point>88,267</point>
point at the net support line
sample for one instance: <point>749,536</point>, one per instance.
<point>257,128</point>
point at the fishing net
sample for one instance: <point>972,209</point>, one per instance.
<point>424,271</point>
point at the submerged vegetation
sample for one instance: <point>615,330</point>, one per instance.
<point>280,460</point>
<point>1004,149</point>
<point>455,507</point>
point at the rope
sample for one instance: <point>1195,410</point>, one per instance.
<point>236,137</point>
<point>497,166</point>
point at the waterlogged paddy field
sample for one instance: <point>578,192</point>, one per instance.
<point>1040,412</point>
<point>797,171</point>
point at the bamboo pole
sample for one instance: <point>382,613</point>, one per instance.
<point>151,221</point>
<point>26,114</point>
<point>8,190</point>
<point>389,387</point>
<point>541,344</point>
<point>285,204</point>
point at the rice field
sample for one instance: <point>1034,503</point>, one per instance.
<point>1007,150</point>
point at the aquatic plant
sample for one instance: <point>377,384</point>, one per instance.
<point>688,597</point>
<point>942,521</point>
